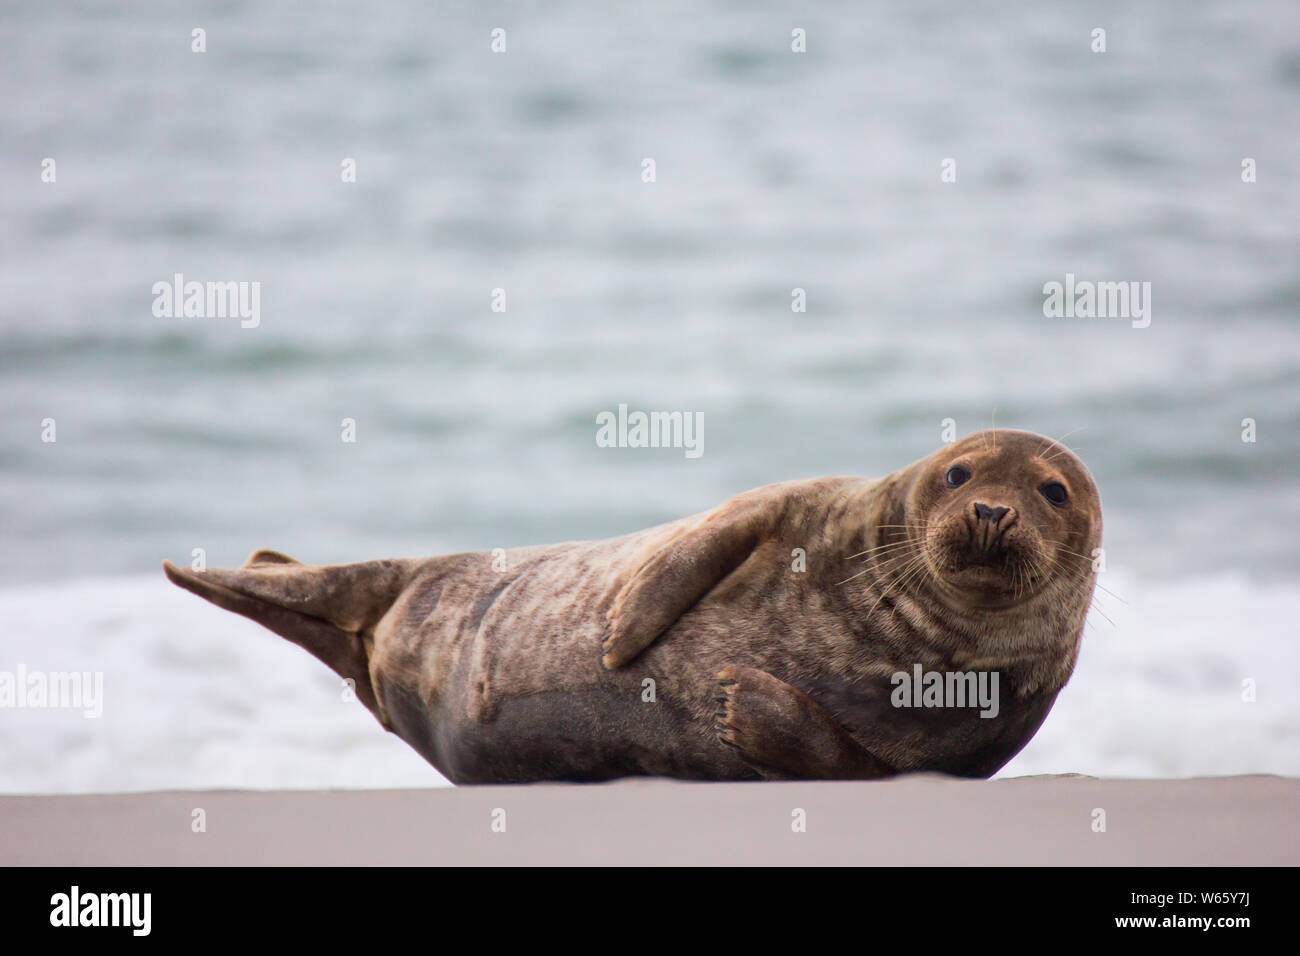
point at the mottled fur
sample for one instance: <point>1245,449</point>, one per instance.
<point>760,670</point>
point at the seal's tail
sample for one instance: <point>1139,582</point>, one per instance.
<point>329,611</point>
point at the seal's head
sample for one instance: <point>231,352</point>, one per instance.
<point>1002,516</point>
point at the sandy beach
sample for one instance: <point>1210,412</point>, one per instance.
<point>918,820</point>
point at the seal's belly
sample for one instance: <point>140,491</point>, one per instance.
<point>589,734</point>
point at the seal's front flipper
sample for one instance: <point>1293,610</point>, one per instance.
<point>784,733</point>
<point>681,572</point>
<point>329,611</point>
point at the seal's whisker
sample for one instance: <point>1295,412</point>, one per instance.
<point>1092,606</point>
<point>901,541</point>
<point>858,575</point>
<point>882,549</point>
<point>911,576</point>
<point>1077,554</point>
<point>1025,577</point>
<point>896,537</point>
<point>893,561</point>
<point>895,534</point>
<point>1060,441</point>
<point>1108,591</point>
<point>1099,585</point>
<point>892,574</point>
<point>876,564</point>
<point>1063,551</point>
<point>1064,450</point>
<point>919,559</point>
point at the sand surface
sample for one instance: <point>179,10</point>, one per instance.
<point>913,820</point>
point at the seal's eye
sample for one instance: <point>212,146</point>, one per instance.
<point>1054,492</point>
<point>957,475</point>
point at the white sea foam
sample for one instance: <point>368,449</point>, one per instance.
<point>197,698</point>
<point>1159,692</point>
<point>193,698</point>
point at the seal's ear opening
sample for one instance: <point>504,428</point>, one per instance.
<point>326,610</point>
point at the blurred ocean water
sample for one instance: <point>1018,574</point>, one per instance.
<point>476,429</point>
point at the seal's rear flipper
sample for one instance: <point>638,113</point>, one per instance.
<point>329,611</point>
<point>267,556</point>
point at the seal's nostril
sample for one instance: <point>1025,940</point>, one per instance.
<point>984,513</point>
